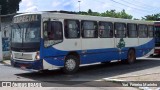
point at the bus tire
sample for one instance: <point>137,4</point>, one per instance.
<point>131,57</point>
<point>71,64</point>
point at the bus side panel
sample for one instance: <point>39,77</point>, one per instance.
<point>99,55</point>
<point>98,50</point>
<point>127,43</point>
<point>55,54</point>
<point>145,47</point>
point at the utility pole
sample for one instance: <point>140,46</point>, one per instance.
<point>1,52</point>
<point>79,6</point>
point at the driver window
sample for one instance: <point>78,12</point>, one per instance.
<point>52,33</point>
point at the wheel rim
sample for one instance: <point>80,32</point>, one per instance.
<point>70,64</point>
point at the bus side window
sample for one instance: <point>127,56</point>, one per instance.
<point>120,30</point>
<point>151,31</point>
<point>132,30</point>
<point>142,31</point>
<point>71,28</point>
<point>89,29</point>
<point>105,29</point>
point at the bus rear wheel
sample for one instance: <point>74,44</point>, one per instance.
<point>131,57</point>
<point>71,64</point>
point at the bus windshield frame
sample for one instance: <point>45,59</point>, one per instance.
<point>26,35</point>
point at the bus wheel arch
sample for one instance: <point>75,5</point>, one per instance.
<point>72,62</point>
<point>131,56</point>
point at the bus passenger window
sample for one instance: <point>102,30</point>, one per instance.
<point>150,31</point>
<point>89,29</point>
<point>142,31</point>
<point>120,29</point>
<point>105,30</point>
<point>132,30</point>
<point>71,28</point>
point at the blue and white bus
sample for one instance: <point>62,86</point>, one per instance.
<point>44,41</point>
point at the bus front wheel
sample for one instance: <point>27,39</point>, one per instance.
<point>131,57</point>
<point>71,64</point>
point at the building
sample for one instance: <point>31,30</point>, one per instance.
<point>6,22</point>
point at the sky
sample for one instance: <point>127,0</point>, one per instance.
<point>136,8</point>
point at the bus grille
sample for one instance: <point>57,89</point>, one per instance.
<point>23,56</point>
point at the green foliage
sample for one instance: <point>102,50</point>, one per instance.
<point>153,17</point>
<point>9,6</point>
<point>90,13</point>
<point>111,13</point>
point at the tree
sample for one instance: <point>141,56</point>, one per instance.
<point>9,6</point>
<point>123,14</point>
<point>89,11</point>
<point>153,17</point>
<point>111,13</point>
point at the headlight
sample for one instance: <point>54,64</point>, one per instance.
<point>37,57</point>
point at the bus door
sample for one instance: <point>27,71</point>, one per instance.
<point>52,33</point>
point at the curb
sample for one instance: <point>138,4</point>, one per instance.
<point>108,79</point>
<point>5,62</point>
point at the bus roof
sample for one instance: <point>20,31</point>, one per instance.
<point>57,15</point>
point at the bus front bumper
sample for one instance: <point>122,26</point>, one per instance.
<point>35,65</point>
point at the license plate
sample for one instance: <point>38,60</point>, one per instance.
<point>23,67</point>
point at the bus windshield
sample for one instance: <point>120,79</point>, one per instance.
<point>26,32</point>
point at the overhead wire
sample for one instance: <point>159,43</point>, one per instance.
<point>139,11</point>
<point>151,9</point>
<point>129,6</point>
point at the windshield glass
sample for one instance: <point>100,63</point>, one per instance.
<point>26,32</point>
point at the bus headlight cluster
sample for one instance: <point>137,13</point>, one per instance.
<point>37,57</point>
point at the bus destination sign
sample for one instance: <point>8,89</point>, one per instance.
<point>26,18</point>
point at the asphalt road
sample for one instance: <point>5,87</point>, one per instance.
<point>86,74</point>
